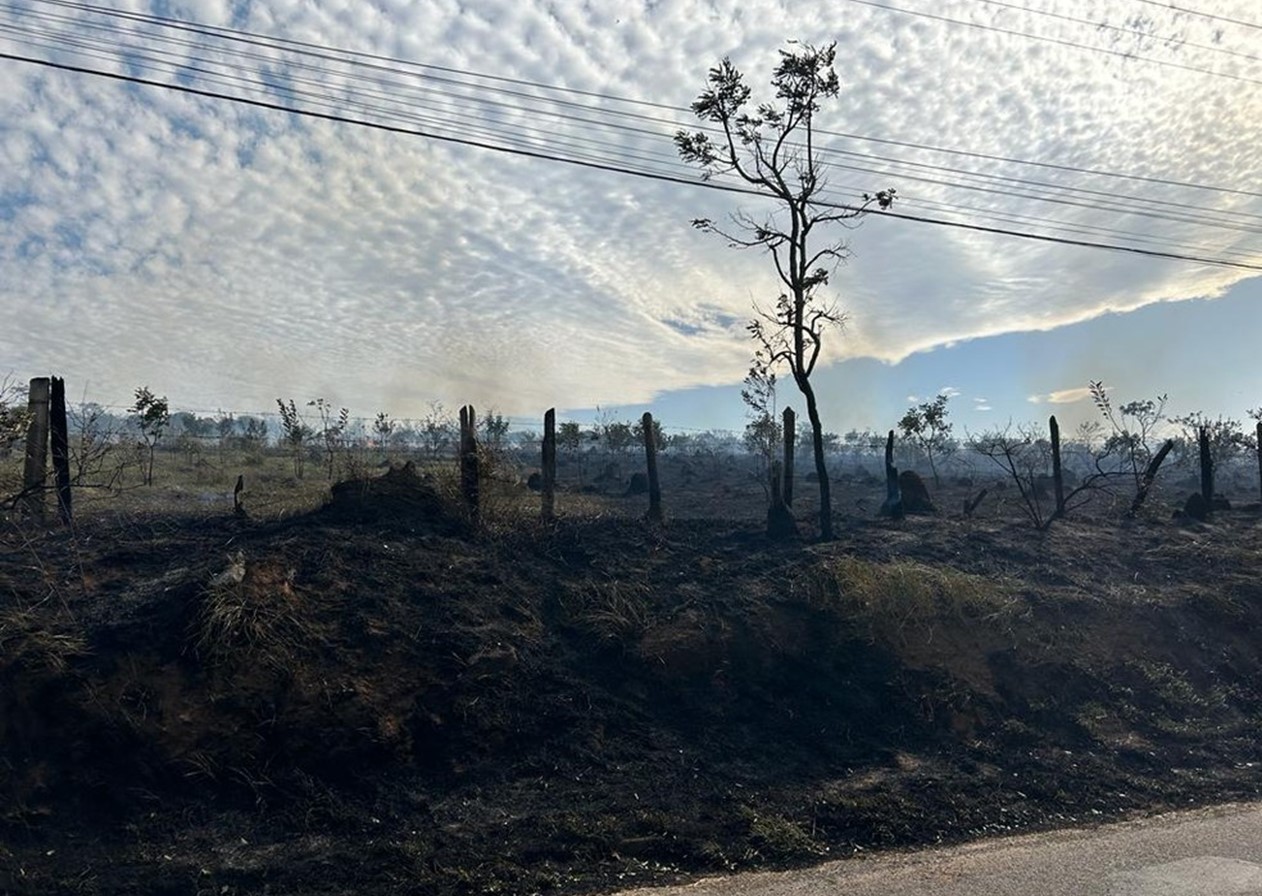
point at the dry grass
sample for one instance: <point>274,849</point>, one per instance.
<point>614,612</point>
<point>890,599</point>
<point>251,612</point>
<point>35,640</point>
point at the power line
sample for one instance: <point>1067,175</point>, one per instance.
<point>602,166</point>
<point>1115,29</point>
<point>1204,15</point>
<point>1071,169</point>
<point>572,143</point>
<point>575,144</point>
<point>329,102</point>
<point>1072,202</point>
<point>1121,54</point>
<point>1042,184</point>
<point>320,52</point>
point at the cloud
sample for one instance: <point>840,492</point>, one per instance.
<point>1062,396</point>
<point>223,254</point>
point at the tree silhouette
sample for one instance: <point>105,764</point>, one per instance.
<point>771,147</point>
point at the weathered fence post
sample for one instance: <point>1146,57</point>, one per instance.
<point>650,457</point>
<point>548,475</point>
<point>1058,479</point>
<point>61,447</point>
<point>1260,456</point>
<point>470,474</point>
<point>1149,475</point>
<point>790,436</point>
<point>1207,468</point>
<point>35,470</point>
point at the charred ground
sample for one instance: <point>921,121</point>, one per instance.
<point>378,697</point>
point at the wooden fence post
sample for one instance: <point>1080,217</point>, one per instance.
<point>790,435</point>
<point>61,447</point>
<point>549,472</point>
<point>470,472</point>
<point>35,469</point>
<point>1150,474</point>
<point>1058,479</point>
<point>1260,456</point>
<point>1207,469</point>
<point>650,457</point>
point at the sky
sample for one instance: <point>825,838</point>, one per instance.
<point>225,254</point>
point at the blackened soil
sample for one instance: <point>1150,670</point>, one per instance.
<point>380,698</point>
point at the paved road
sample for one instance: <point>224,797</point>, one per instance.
<point>1209,852</point>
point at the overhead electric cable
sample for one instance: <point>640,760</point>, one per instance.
<point>343,119</point>
<point>321,51</point>
<point>1115,202</point>
<point>329,102</point>
<point>1121,54</point>
<point>1117,29</point>
<point>1072,169</point>
<point>1042,184</point>
<point>1204,15</point>
<point>570,141</point>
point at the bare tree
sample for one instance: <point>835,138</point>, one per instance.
<point>771,147</point>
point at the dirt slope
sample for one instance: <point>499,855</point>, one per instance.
<point>376,698</point>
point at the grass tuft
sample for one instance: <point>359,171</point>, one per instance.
<point>892,597</point>
<point>251,612</point>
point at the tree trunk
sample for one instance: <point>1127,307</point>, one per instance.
<point>892,506</point>
<point>821,469</point>
<point>790,435</point>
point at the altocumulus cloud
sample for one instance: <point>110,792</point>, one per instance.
<point>226,255</point>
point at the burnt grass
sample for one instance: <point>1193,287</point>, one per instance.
<point>377,697</point>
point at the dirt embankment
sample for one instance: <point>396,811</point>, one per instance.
<point>375,698</point>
